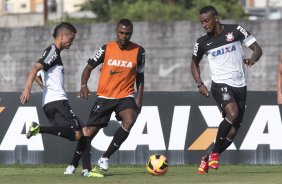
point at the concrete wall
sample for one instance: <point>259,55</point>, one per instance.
<point>168,46</point>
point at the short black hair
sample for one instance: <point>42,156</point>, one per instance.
<point>207,9</point>
<point>125,22</point>
<point>62,26</point>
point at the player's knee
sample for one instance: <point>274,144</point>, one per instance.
<point>87,131</point>
<point>128,124</point>
<point>232,117</point>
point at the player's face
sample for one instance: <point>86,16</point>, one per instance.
<point>124,34</point>
<point>209,21</point>
<point>67,39</point>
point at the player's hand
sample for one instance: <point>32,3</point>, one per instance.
<point>138,102</point>
<point>83,93</point>
<point>203,90</point>
<point>24,96</point>
<point>249,62</point>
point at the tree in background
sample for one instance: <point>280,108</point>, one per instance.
<point>160,10</point>
<point>230,9</point>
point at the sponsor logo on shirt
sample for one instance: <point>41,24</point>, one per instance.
<point>196,48</point>
<point>114,72</point>
<point>98,54</point>
<point>53,57</point>
<point>121,63</point>
<point>222,51</point>
<point>243,31</point>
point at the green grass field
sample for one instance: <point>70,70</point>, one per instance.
<point>53,174</point>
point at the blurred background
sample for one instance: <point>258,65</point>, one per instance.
<point>167,29</point>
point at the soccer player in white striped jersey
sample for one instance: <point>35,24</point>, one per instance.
<point>222,44</point>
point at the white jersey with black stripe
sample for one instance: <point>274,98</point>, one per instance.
<point>225,54</point>
<point>52,75</point>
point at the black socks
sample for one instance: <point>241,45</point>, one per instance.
<point>119,137</point>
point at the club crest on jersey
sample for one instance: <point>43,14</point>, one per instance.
<point>229,37</point>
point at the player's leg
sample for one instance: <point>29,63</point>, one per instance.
<point>89,133</point>
<point>127,112</point>
<point>231,111</point>
<point>81,145</point>
<point>99,117</point>
<point>240,96</point>
<point>65,123</point>
<point>223,95</point>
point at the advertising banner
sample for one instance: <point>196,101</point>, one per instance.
<point>180,125</point>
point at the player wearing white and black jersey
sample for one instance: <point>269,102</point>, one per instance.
<point>223,47</point>
<point>55,101</point>
<point>225,54</point>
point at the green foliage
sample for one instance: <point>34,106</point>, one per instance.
<point>230,9</point>
<point>142,10</point>
<point>160,10</point>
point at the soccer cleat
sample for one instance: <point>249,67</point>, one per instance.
<point>96,173</point>
<point>103,163</point>
<point>84,173</point>
<point>204,166</point>
<point>33,130</point>
<point>213,160</point>
<point>70,170</point>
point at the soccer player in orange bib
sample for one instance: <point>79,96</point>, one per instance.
<point>122,65</point>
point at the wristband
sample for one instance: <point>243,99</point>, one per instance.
<point>199,84</point>
<point>84,86</point>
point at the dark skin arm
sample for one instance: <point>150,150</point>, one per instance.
<point>140,88</point>
<point>195,69</point>
<point>257,52</point>
<point>84,91</point>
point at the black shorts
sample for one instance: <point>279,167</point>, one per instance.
<point>224,94</point>
<point>59,113</point>
<point>103,108</point>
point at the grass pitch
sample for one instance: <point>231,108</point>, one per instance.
<point>53,174</point>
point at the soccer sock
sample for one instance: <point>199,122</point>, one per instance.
<point>81,145</point>
<point>64,132</point>
<point>119,137</point>
<point>226,143</point>
<point>206,157</point>
<point>86,154</point>
<point>223,130</point>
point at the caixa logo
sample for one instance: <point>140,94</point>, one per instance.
<point>265,128</point>
<point>223,50</point>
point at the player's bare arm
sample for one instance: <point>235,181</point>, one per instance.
<point>195,69</point>
<point>84,91</point>
<point>257,52</point>
<point>140,88</point>
<point>31,76</point>
<point>39,81</point>
<point>279,81</point>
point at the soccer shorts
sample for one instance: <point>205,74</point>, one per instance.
<point>224,94</point>
<point>103,108</point>
<point>59,113</point>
